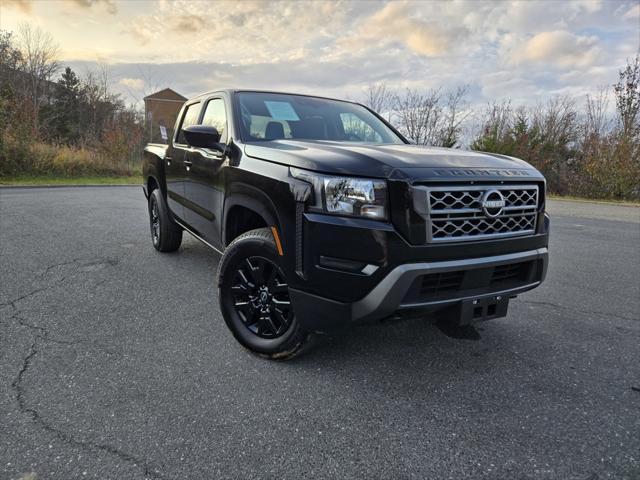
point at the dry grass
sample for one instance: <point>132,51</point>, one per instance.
<point>42,159</point>
<point>48,180</point>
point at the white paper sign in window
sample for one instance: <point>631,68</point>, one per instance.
<point>281,111</point>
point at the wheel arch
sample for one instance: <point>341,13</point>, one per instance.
<point>152,183</point>
<point>247,198</point>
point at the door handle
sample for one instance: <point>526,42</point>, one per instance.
<point>188,164</point>
<point>168,159</point>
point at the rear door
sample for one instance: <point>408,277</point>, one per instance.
<point>175,169</point>
<point>204,188</point>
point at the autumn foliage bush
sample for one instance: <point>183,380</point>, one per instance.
<point>68,127</point>
<point>589,149</point>
<point>586,152</point>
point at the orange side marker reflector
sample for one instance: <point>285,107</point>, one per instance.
<point>276,237</point>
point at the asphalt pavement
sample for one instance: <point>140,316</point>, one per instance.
<point>115,364</point>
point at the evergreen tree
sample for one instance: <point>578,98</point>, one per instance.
<point>68,103</point>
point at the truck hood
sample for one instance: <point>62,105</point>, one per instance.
<point>409,162</point>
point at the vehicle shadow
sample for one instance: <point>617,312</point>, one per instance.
<point>413,361</point>
<point>393,339</point>
<point>391,346</point>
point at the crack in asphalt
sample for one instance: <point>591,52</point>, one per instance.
<point>61,264</point>
<point>41,334</point>
<point>13,302</point>
<point>84,268</point>
<point>44,335</point>
<point>149,470</point>
<point>586,312</point>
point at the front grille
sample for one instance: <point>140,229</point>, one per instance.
<point>477,212</point>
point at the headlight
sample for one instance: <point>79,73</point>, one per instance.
<point>356,197</point>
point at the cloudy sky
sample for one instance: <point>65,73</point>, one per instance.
<point>525,50</point>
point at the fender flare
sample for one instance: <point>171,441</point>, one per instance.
<point>248,196</point>
<point>147,181</point>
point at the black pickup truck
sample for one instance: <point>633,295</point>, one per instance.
<point>324,214</point>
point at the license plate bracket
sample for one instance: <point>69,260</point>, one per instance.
<point>482,308</point>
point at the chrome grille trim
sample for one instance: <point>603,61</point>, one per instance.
<point>455,213</point>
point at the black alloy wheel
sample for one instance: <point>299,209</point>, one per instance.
<point>261,297</point>
<point>254,297</point>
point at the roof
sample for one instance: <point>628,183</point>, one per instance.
<point>257,90</point>
<point>166,94</point>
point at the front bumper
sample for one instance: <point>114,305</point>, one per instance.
<point>416,287</point>
<point>390,294</point>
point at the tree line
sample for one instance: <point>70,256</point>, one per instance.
<point>588,148</point>
<point>53,121</point>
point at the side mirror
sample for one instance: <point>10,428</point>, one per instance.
<point>202,136</point>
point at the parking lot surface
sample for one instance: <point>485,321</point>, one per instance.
<point>115,364</point>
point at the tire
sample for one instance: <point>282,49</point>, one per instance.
<point>254,298</point>
<point>166,235</point>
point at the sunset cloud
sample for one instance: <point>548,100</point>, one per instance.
<point>521,49</point>
<point>559,47</point>
<point>395,23</point>
<point>132,83</point>
<point>23,5</point>
<point>109,5</point>
<point>26,6</point>
<point>188,24</point>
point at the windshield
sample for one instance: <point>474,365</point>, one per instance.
<point>275,116</point>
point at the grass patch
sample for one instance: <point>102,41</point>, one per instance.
<point>44,180</point>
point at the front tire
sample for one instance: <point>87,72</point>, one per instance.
<point>166,235</point>
<point>254,297</point>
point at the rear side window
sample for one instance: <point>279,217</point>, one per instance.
<point>216,116</point>
<point>190,117</point>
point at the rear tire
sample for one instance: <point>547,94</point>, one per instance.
<point>254,297</point>
<point>166,235</point>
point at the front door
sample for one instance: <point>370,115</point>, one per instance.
<point>204,190</point>
<point>175,170</point>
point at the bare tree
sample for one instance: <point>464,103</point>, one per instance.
<point>39,63</point>
<point>597,121</point>
<point>555,121</point>
<point>418,115</point>
<point>379,99</point>
<point>627,93</point>
<point>456,112</point>
<point>150,85</point>
<point>496,127</point>
<point>102,104</point>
